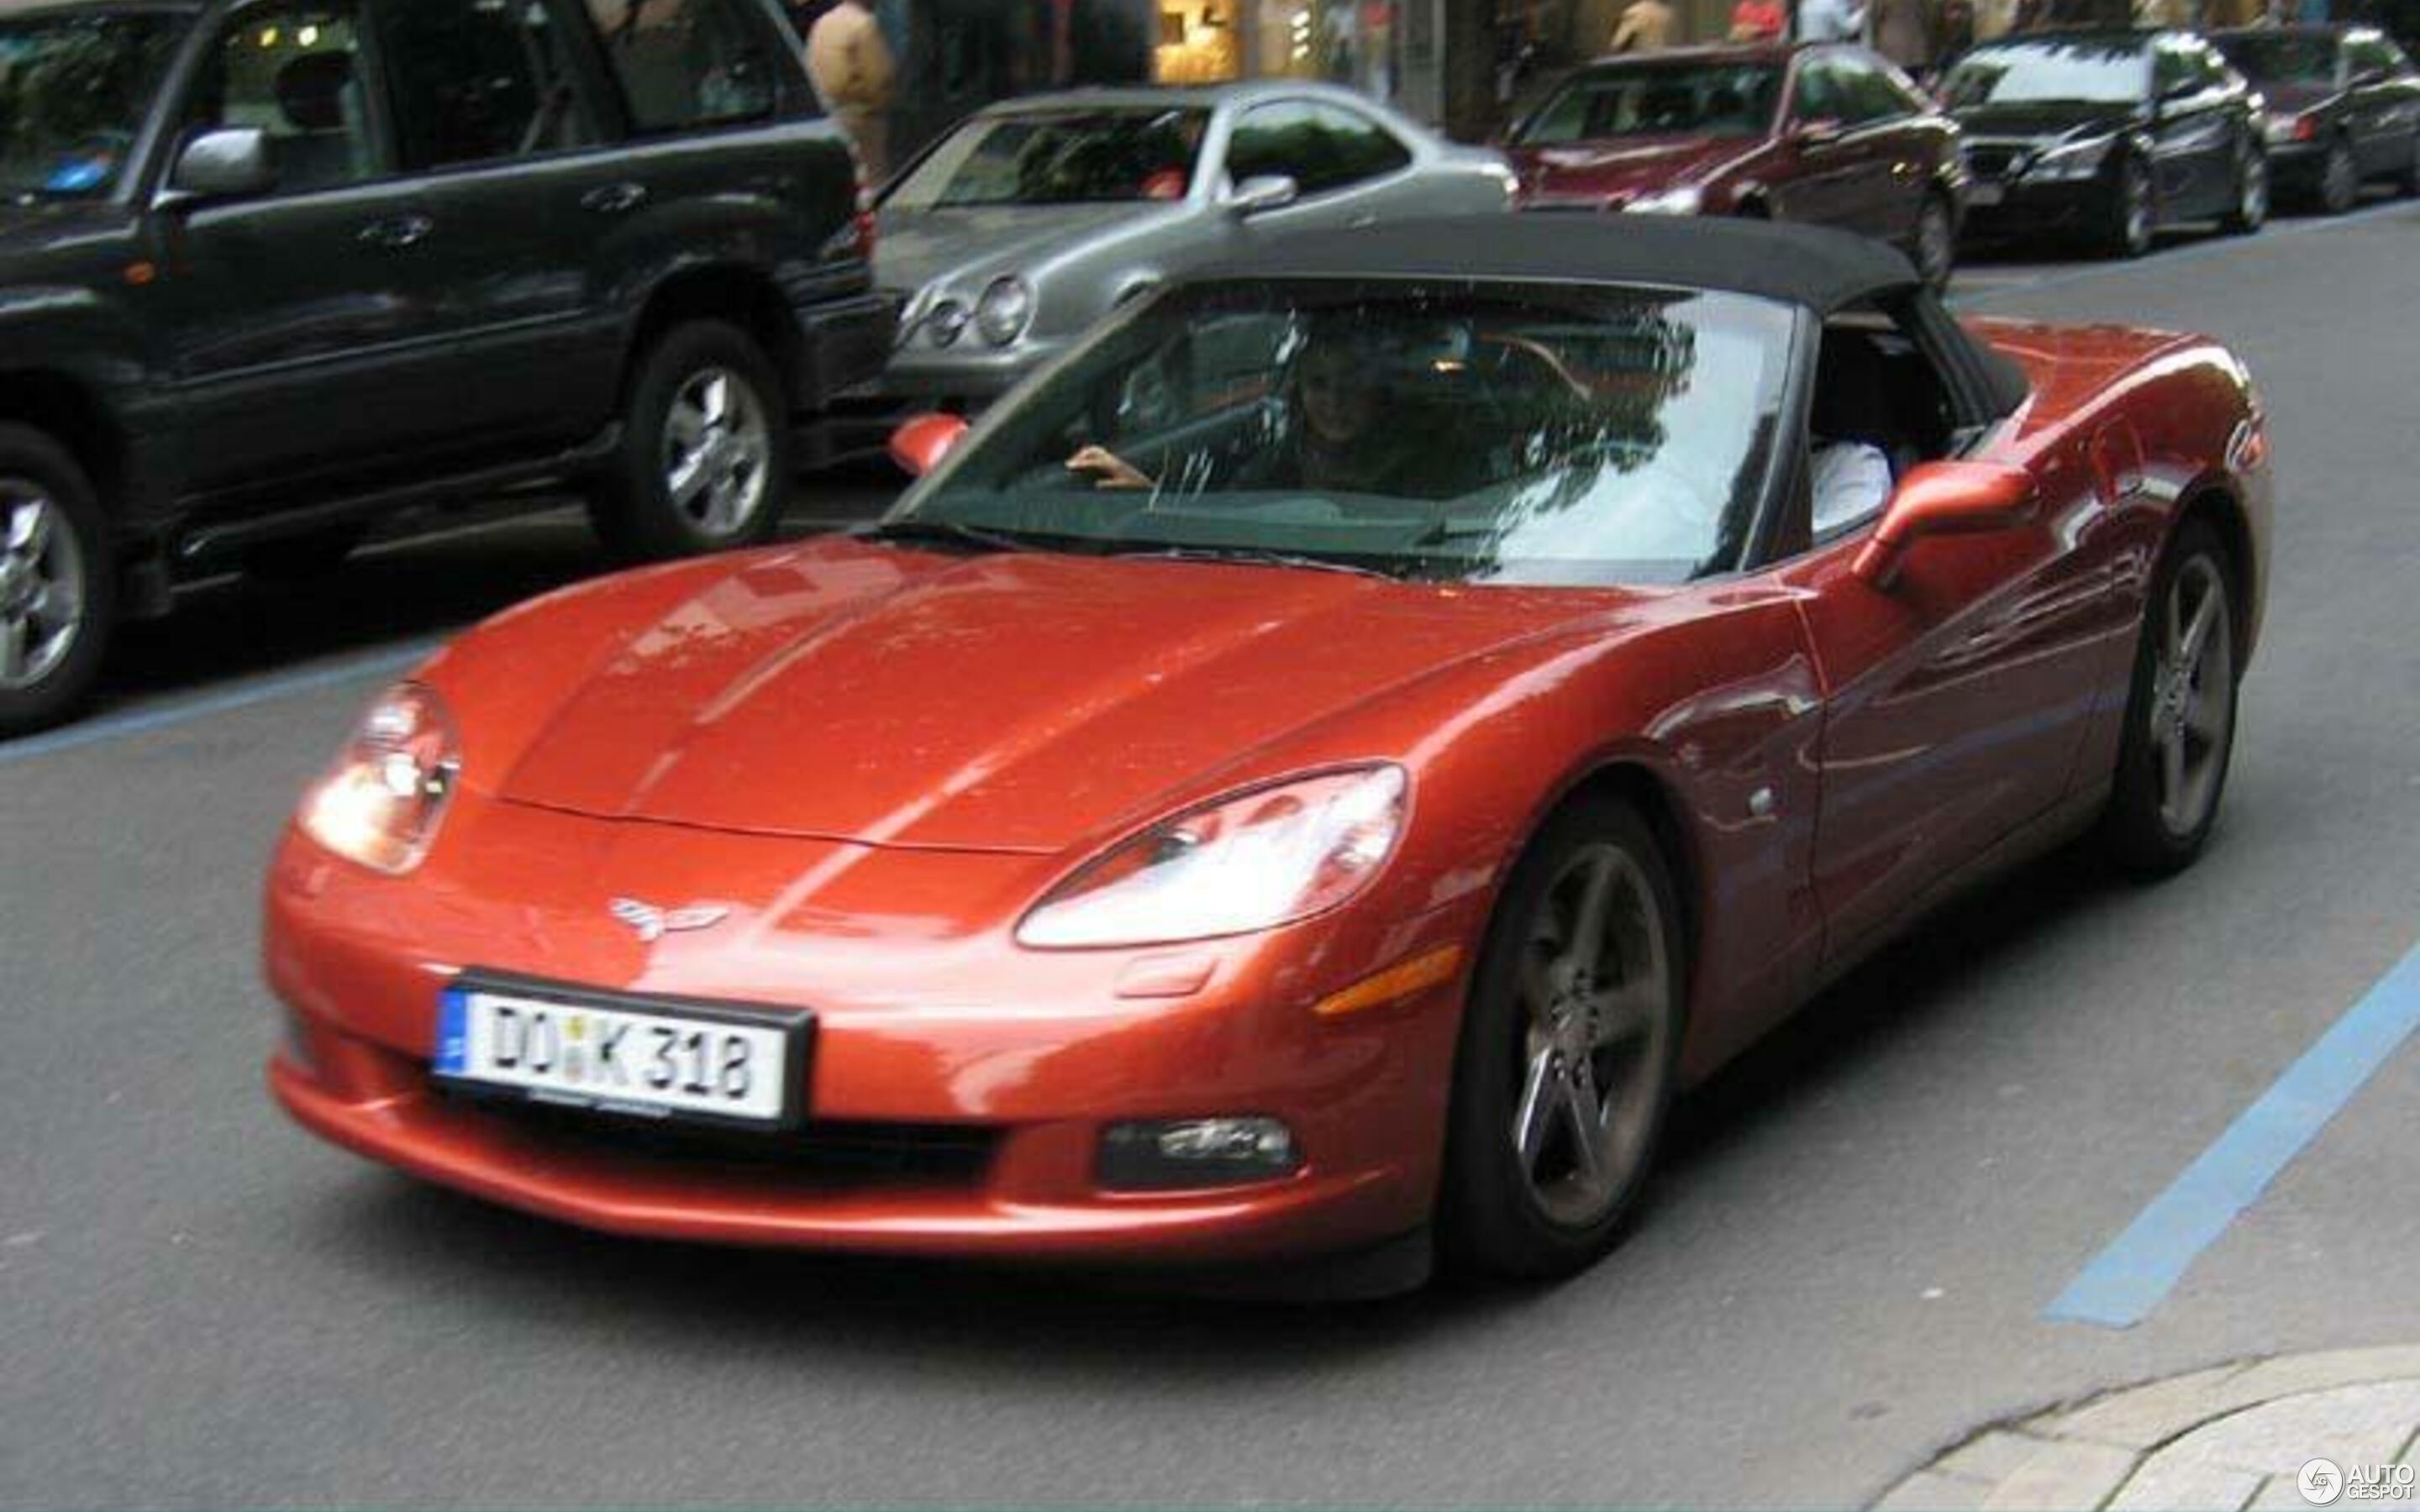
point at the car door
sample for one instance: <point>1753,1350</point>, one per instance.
<point>299,322</point>
<point>1347,170</point>
<point>2194,138</point>
<point>504,134</point>
<point>1825,169</point>
<point>1884,119</point>
<point>1958,697</point>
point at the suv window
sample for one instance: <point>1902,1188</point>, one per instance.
<point>472,81</point>
<point>296,73</point>
<point>1320,147</point>
<point>683,63</point>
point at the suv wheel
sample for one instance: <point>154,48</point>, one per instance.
<point>705,460</point>
<point>57,583</point>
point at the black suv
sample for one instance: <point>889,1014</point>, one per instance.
<point>272,268</point>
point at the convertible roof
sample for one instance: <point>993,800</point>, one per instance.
<point>1822,270</point>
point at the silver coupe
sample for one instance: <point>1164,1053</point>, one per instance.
<point>1011,235</point>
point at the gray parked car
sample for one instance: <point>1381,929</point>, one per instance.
<point>1011,235</point>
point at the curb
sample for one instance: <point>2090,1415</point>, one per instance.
<point>2232,1436</point>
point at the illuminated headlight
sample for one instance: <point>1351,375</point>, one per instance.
<point>1190,1153</point>
<point>2081,160</point>
<point>1250,862</point>
<point>945,323</point>
<point>1687,200</point>
<point>381,805</point>
<point>1005,310</point>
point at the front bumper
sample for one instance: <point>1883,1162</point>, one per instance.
<point>2297,166</point>
<point>2032,208</point>
<point>927,1037</point>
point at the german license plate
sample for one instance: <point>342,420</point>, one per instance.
<point>635,1057</point>
<point>1985,193</point>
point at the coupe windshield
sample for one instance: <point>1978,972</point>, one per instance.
<point>2065,70</point>
<point>2283,57</point>
<point>1517,434</point>
<point>1658,100</point>
<point>74,87</point>
<point>1058,158</point>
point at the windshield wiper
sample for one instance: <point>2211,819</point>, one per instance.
<point>1249,555</point>
<point>940,531</point>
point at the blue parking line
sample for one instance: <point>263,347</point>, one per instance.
<point>2130,1278</point>
<point>244,695</point>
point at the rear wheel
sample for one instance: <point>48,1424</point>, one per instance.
<point>1568,1049</point>
<point>2249,210</point>
<point>705,458</point>
<point>57,586</point>
<point>2132,214</point>
<point>2179,731</point>
<point>1936,241</point>
<point>2339,179</point>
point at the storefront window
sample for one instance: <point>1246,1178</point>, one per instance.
<point>1344,41</point>
<point>1197,42</point>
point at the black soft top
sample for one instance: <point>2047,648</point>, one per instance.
<point>1819,269</point>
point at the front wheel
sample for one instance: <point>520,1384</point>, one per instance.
<point>1568,1049</point>
<point>2407,178</point>
<point>1936,242</point>
<point>704,463</point>
<point>57,582</point>
<point>2249,212</point>
<point>2179,731</point>
<point>2132,213</point>
<point>2339,179</point>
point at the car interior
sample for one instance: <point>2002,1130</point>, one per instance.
<point>1875,387</point>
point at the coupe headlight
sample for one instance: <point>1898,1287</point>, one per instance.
<point>1687,200</point>
<point>2081,160</point>
<point>383,803</point>
<point>1250,861</point>
<point>945,323</point>
<point>1005,310</point>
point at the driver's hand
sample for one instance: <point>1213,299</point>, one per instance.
<point>1108,469</point>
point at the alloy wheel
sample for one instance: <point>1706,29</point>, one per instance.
<point>43,586</point>
<point>2339,180</point>
<point>2135,210</point>
<point>2193,696</point>
<point>717,452</point>
<point>1595,997</point>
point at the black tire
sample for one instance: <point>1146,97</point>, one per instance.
<point>2143,829</point>
<point>2133,211</point>
<point>2407,179</point>
<point>1495,1217</point>
<point>58,582</point>
<point>1934,243</point>
<point>2249,210</point>
<point>2339,188</point>
<point>635,507</point>
<point>301,561</point>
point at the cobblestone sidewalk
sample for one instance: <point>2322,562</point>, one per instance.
<point>2231,1437</point>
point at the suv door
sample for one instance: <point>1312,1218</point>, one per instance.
<point>493,114</point>
<point>298,323</point>
<point>1345,166</point>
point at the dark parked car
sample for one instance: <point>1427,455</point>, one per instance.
<point>272,270</point>
<point>2344,106</point>
<point>2107,136</point>
<point>1828,134</point>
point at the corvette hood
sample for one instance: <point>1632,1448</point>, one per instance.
<point>848,690</point>
<point>1622,169</point>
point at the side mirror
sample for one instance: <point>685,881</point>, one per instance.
<point>228,163</point>
<point>919,444</point>
<point>1262,191</point>
<point>1945,499</point>
<point>1822,131</point>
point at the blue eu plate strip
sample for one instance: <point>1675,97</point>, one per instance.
<point>2130,1278</point>
<point>453,1031</point>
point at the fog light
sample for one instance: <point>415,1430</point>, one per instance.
<point>1191,1153</point>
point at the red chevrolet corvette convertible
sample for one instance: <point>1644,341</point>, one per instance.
<point>1311,774</point>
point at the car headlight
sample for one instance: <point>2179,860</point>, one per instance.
<point>2081,160</point>
<point>945,322</point>
<point>1005,310</point>
<point>1687,200</point>
<point>1252,860</point>
<point>383,803</point>
<point>2280,130</point>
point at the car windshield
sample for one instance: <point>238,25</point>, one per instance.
<point>2065,70</point>
<point>1657,99</point>
<point>74,87</point>
<point>2283,57</point>
<point>1058,158</point>
<point>1510,434</point>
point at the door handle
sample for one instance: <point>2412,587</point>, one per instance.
<point>398,232</point>
<point>613,199</point>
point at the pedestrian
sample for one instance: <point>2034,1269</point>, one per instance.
<point>851,67</point>
<point>1956,30</point>
<point>1645,27</point>
<point>1830,20</point>
<point>1758,20</point>
<point>1904,33</point>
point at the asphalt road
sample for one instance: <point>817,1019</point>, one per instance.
<point>1846,1264</point>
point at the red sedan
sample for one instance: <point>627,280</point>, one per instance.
<point>1312,775</point>
<point>1824,133</point>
